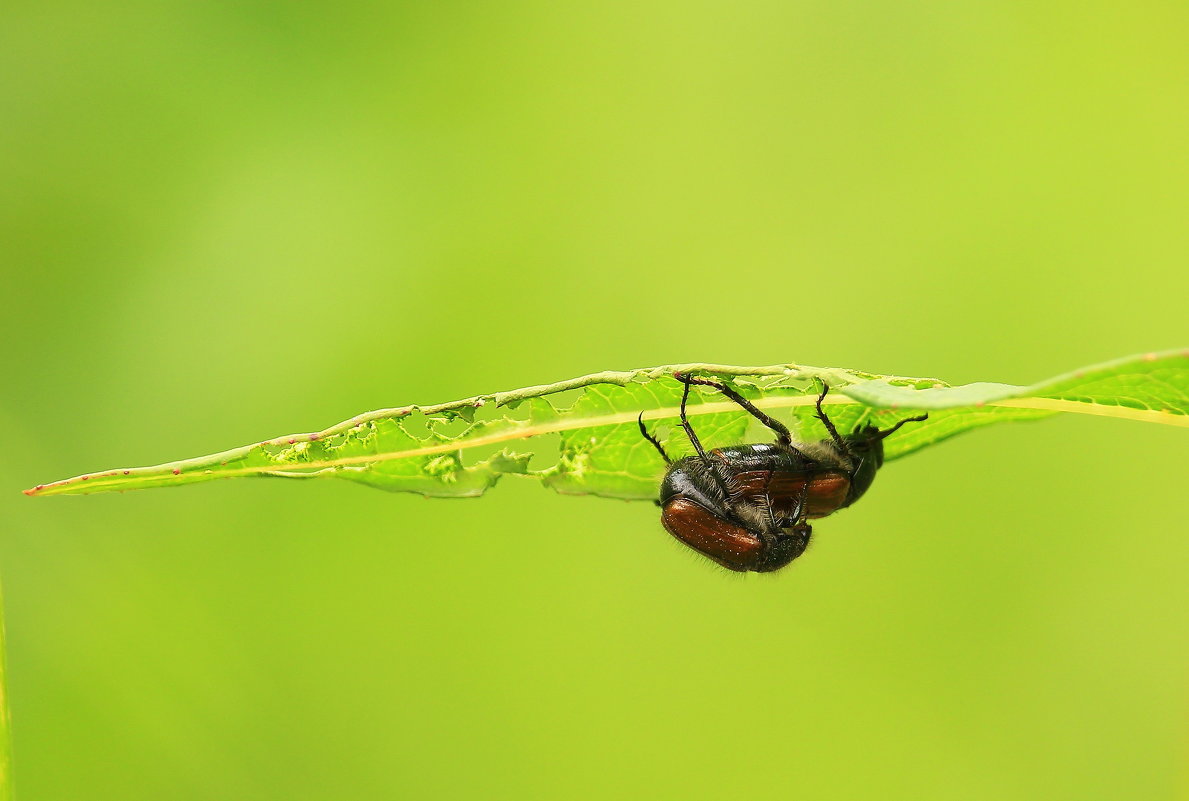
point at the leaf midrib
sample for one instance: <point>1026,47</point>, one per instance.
<point>139,475</point>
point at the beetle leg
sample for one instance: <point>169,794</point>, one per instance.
<point>652,439</point>
<point>768,500</point>
<point>689,430</point>
<point>772,533</point>
<point>782,433</point>
<point>839,442</point>
<point>783,437</point>
<point>802,500</point>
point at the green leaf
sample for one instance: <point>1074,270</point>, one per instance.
<point>460,449</point>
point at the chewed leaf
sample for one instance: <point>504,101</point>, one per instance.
<point>460,449</point>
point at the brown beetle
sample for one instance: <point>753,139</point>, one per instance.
<point>747,507</point>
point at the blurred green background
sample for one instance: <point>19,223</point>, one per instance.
<point>226,221</point>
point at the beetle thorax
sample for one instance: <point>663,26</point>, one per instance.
<point>827,454</point>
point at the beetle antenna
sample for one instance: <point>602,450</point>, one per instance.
<point>884,434</point>
<point>652,439</point>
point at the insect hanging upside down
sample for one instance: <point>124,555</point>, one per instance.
<point>747,507</point>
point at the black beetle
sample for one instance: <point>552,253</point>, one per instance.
<point>747,507</point>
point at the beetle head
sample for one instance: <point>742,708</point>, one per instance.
<point>865,446</point>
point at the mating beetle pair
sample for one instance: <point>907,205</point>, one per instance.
<point>747,507</point>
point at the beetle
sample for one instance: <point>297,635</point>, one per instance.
<point>747,507</point>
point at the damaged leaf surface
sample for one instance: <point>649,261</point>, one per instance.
<point>586,441</point>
